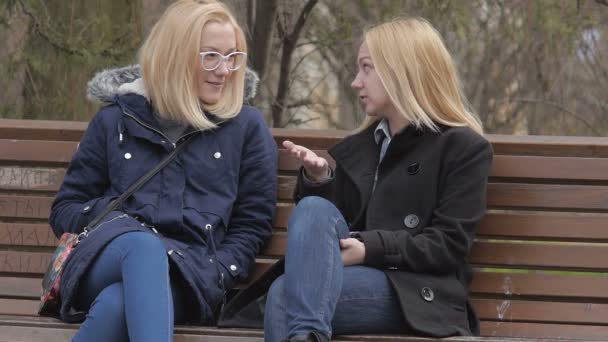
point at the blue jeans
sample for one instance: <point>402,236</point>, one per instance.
<point>128,293</point>
<point>317,292</point>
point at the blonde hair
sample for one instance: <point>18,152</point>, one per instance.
<point>418,75</point>
<point>169,60</point>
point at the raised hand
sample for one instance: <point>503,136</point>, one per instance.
<point>317,168</point>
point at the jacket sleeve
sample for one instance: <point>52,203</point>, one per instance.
<point>80,197</point>
<point>448,239</point>
<point>305,187</point>
<point>253,212</point>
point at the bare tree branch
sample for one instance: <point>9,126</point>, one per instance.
<point>562,109</point>
<point>289,45</point>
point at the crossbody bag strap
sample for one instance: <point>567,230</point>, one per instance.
<point>135,186</point>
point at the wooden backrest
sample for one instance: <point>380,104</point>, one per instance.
<point>540,257</point>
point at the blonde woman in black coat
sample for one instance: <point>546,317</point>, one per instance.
<point>379,244</point>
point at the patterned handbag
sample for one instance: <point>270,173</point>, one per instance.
<point>49,301</point>
<point>51,283</point>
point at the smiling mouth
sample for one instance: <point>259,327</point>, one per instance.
<point>216,84</point>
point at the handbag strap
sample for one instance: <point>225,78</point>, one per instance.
<point>135,186</point>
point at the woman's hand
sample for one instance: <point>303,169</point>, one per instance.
<point>317,168</point>
<point>352,251</point>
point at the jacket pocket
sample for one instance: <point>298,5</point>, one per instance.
<point>433,305</point>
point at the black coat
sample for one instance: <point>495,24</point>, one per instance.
<point>419,223</point>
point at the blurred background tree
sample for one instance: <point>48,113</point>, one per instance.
<point>527,66</point>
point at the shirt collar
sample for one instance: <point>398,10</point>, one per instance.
<point>381,131</point>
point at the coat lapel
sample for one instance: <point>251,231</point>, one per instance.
<point>358,157</point>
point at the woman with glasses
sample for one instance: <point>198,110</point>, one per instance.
<point>378,244</point>
<point>174,248</point>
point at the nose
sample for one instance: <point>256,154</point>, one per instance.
<point>356,84</point>
<point>222,70</point>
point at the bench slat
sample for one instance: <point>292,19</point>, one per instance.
<point>581,227</point>
<point>540,255</point>
<point>54,152</point>
<point>541,331</point>
<point>548,196</point>
<point>540,286</point>
<point>20,178</point>
<point>533,286</point>
<point>18,307</point>
<point>521,225</point>
<point>509,166</point>
<point>24,262</point>
<point>27,234</point>
<point>488,311</point>
<point>25,206</point>
<point>516,196</point>
<point>535,167</point>
<point>573,257</point>
<point>540,312</point>
<point>545,226</point>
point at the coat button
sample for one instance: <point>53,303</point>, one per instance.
<point>427,294</point>
<point>86,209</point>
<point>217,155</point>
<point>413,169</point>
<point>411,221</point>
<point>127,155</point>
<point>232,268</point>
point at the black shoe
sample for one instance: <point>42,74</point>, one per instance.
<point>313,336</point>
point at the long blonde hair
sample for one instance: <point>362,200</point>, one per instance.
<point>418,74</point>
<point>169,60</point>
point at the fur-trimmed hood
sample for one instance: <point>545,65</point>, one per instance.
<point>119,81</point>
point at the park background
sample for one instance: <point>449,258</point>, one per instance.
<point>535,67</point>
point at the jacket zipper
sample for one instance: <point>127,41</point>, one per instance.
<point>157,131</point>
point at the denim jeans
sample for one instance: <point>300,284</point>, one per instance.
<point>128,293</point>
<point>317,292</point>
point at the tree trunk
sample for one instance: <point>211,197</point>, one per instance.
<point>12,70</point>
<point>262,28</point>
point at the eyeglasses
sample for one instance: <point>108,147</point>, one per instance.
<point>212,60</point>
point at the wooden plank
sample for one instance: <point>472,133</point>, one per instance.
<point>30,329</point>
<point>31,178</point>
<point>57,152</point>
<point>549,145</point>
<point>571,168</point>
<point>322,139</point>
<point>548,196</point>
<point>529,331</point>
<point>584,227</point>
<point>277,245</point>
<point>20,262</point>
<point>541,312</point>
<point>285,187</point>
<point>505,195</point>
<point>20,287</point>
<point>26,234</point>
<point>540,255</point>
<point>18,307</point>
<point>42,129</point>
<point>510,285</point>
<point>25,206</point>
<point>281,216</point>
<point>582,287</point>
<point>540,226</point>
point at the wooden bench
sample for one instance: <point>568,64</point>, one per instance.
<point>541,255</point>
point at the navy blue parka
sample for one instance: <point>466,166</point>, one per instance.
<point>212,206</point>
